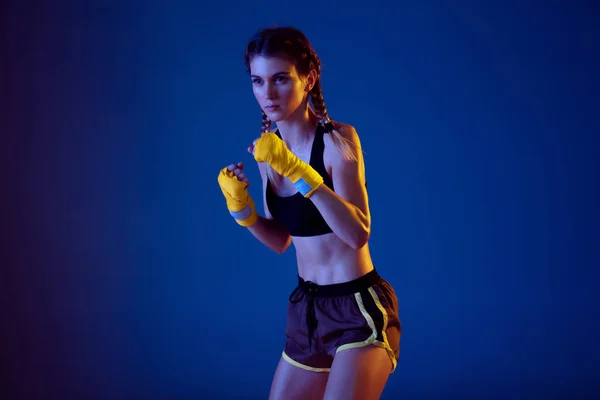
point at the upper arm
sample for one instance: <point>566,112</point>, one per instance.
<point>262,168</point>
<point>348,176</point>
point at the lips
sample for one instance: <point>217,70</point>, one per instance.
<point>272,107</point>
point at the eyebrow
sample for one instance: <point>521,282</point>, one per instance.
<point>275,74</point>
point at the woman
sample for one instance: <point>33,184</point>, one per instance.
<point>343,329</point>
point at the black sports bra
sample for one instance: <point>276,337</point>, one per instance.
<point>296,213</point>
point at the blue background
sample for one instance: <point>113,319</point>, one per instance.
<point>123,275</point>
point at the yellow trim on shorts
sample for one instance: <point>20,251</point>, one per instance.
<point>372,340</point>
<point>299,365</point>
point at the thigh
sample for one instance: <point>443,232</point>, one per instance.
<point>369,318</point>
<point>292,382</point>
<point>359,373</point>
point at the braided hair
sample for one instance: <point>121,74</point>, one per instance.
<point>293,44</point>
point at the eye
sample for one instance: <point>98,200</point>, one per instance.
<point>280,79</point>
<point>256,80</point>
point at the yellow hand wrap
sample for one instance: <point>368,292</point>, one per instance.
<point>239,202</point>
<point>271,149</point>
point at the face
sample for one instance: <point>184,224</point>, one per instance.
<point>278,88</point>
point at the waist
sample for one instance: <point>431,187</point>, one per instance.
<point>326,259</point>
<point>339,289</point>
<point>328,250</point>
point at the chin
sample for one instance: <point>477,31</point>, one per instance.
<point>276,116</point>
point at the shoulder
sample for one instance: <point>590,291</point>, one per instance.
<point>350,141</point>
<point>345,159</point>
<point>347,131</point>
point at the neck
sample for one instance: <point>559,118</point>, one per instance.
<point>299,128</point>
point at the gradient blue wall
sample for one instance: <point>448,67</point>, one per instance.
<point>123,275</point>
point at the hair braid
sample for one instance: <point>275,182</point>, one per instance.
<point>318,102</point>
<point>342,145</point>
<point>266,123</point>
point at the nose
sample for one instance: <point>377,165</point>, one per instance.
<point>270,91</point>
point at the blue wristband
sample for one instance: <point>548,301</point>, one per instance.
<point>242,214</point>
<point>302,186</point>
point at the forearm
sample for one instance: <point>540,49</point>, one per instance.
<point>271,234</point>
<point>346,220</point>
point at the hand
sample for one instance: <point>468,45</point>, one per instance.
<point>238,172</point>
<point>252,149</point>
<point>271,149</point>
<point>234,185</point>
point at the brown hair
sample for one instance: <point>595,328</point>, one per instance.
<point>293,44</point>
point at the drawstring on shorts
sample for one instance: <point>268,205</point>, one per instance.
<point>309,289</point>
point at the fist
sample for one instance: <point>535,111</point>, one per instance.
<point>238,172</point>
<point>268,148</point>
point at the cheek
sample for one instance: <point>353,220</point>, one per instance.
<point>294,94</point>
<point>257,92</point>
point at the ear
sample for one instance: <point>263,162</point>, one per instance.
<point>311,79</point>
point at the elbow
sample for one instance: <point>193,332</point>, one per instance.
<point>279,250</point>
<point>360,239</point>
<point>362,232</point>
<point>283,247</point>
